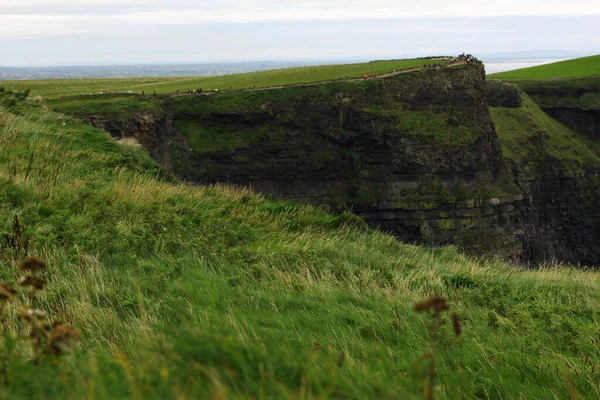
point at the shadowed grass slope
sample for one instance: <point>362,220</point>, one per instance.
<point>527,135</point>
<point>214,292</point>
<point>580,67</point>
<point>287,76</point>
<point>583,93</point>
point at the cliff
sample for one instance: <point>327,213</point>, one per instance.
<point>573,102</point>
<point>558,170</point>
<point>416,154</point>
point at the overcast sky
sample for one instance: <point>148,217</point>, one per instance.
<point>78,32</point>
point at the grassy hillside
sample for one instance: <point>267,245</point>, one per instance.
<point>214,292</point>
<point>116,105</point>
<point>580,67</point>
<point>527,135</point>
<point>583,93</point>
<point>288,76</point>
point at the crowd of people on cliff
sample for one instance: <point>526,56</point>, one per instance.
<point>467,58</point>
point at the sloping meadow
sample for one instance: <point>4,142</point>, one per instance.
<point>213,291</point>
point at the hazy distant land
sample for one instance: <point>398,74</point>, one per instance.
<point>493,65</point>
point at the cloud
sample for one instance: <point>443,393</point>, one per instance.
<point>224,29</point>
<point>65,17</point>
<point>260,10</point>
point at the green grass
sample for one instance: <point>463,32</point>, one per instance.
<point>288,76</point>
<point>207,138</point>
<point>214,292</point>
<point>114,105</point>
<point>527,135</point>
<point>580,67</point>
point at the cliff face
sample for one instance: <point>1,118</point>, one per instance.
<point>573,102</point>
<point>562,219</point>
<point>416,154</point>
<point>558,170</point>
<point>150,131</point>
<point>502,94</point>
<point>582,120</point>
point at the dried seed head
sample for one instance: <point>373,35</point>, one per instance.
<point>36,335</point>
<point>456,324</point>
<point>30,314</point>
<point>32,264</point>
<point>341,358</point>
<point>434,303</point>
<point>61,337</point>
<point>33,281</point>
<point>38,313</point>
<point>7,292</point>
<point>33,317</point>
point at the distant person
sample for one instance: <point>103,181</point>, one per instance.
<point>143,94</point>
<point>365,76</point>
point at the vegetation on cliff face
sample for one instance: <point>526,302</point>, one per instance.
<point>287,76</point>
<point>300,108</point>
<point>528,136</point>
<point>208,291</point>
<point>582,93</point>
<point>580,67</point>
<point>569,92</point>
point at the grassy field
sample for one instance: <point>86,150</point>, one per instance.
<point>527,135</point>
<point>288,76</point>
<point>213,292</point>
<point>117,105</point>
<point>580,67</point>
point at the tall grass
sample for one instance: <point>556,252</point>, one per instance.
<point>215,292</point>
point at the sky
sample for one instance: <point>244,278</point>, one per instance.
<point>102,32</point>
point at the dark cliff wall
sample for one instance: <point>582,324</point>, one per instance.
<point>152,132</point>
<point>415,154</point>
<point>573,102</point>
<point>582,120</point>
<point>557,169</point>
<point>562,218</point>
<point>502,94</point>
